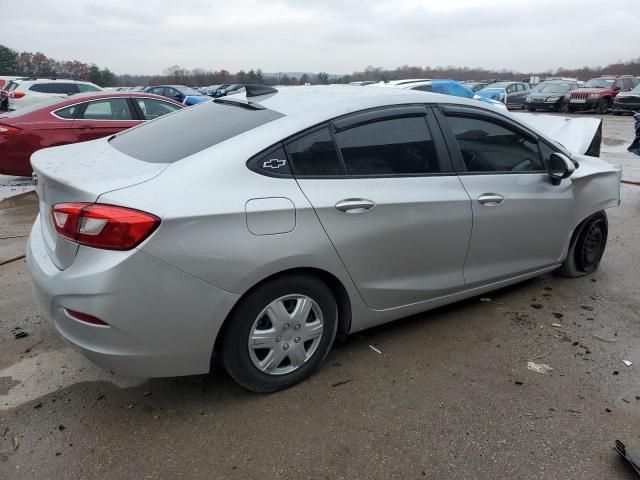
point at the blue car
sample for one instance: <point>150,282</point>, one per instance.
<point>449,87</point>
<point>179,93</point>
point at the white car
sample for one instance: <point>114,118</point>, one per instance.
<point>21,93</point>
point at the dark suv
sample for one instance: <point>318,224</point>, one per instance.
<point>598,93</point>
<point>627,101</point>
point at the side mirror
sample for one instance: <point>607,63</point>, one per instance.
<point>560,167</point>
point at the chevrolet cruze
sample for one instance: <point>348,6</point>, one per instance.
<point>256,228</point>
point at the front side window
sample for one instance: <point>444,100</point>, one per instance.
<point>396,146</point>
<point>487,146</point>
<point>315,155</point>
<point>110,109</point>
<point>619,84</point>
<point>152,109</point>
<point>85,87</point>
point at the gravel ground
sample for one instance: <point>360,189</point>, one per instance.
<point>449,397</point>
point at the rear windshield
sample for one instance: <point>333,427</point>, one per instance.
<point>190,130</point>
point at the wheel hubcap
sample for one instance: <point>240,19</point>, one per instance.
<point>285,334</point>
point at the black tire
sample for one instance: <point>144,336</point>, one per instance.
<point>570,109</point>
<point>587,247</point>
<point>601,107</point>
<point>531,109</point>
<point>236,358</point>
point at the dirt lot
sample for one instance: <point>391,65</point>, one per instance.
<point>448,397</point>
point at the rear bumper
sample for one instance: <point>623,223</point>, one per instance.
<point>162,321</point>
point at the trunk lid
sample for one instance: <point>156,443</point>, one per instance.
<point>81,173</point>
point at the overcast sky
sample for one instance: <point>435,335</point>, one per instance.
<point>146,36</point>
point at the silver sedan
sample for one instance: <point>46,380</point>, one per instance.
<point>256,228</point>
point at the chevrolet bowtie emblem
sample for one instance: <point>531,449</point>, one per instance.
<point>274,163</point>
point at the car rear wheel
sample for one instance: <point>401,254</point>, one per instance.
<point>602,106</point>
<point>587,247</point>
<point>280,333</point>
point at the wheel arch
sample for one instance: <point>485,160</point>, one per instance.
<point>334,284</point>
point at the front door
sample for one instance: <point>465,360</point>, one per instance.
<point>521,221</point>
<point>399,223</point>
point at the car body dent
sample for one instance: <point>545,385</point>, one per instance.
<point>596,186</point>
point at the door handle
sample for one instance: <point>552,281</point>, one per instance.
<point>85,127</point>
<point>490,199</point>
<point>355,205</point>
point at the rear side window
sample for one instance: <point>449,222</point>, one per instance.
<point>41,88</point>
<point>397,146</point>
<point>487,146</point>
<point>315,155</point>
<point>68,113</point>
<point>191,130</point>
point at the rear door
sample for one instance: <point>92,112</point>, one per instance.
<point>103,117</point>
<point>383,188</point>
<point>521,221</point>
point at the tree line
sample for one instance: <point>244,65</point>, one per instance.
<point>39,65</point>
<point>28,64</point>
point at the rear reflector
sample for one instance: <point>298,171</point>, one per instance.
<point>83,317</point>
<point>8,130</point>
<point>103,226</point>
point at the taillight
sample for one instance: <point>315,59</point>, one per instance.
<point>17,94</point>
<point>8,130</point>
<point>103,226</point>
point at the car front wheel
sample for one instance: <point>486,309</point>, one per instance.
<point>280,333</point>
<point>602,106</point>
<point>587,247</point>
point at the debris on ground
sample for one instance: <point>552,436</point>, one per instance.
<point>375,349</point>
<point>342,382</point>
<point>556,325</point>
<point>587,308</point>
<point>598,337</point>
<point>539,367</point>
<point>627,363</point>
<point>485,299</point>
<point>537,306</point>
<point>632,459</point>
<point>558,315</point>
<point>15,443</point>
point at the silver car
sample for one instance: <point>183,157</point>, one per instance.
<point>258,227</point>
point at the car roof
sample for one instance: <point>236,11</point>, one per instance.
<point>49,80</point>
<point>330,101</point>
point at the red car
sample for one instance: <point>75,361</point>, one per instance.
<point>79,118</point>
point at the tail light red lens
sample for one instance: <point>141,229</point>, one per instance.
<point>17,94</point>
<point>8,130</point>
<point>103,226</point>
